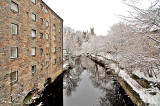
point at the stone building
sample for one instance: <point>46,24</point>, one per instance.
<point>92,31</point>
<point>84,35</point>
<point>87,35</point>
<point>31,41</point>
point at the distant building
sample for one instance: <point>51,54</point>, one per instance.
<point>92,31</point>
<point>87,35</point>
<point>84,34</point>
<point>31,48</point>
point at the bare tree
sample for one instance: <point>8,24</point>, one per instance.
<point>146,21</point>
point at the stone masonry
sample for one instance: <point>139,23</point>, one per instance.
<point>31,70</point>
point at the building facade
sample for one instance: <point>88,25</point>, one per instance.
<point>31,48</point>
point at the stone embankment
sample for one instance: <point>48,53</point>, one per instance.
<point>35,95</point>
<point>139,94</point>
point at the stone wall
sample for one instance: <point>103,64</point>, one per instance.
<point>45,68</point>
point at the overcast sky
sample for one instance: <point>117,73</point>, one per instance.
<point>83,14</point>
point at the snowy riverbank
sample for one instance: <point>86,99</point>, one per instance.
<point>150,96</point>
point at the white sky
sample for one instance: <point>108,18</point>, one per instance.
<point>83,14</point>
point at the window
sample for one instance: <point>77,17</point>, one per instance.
<point>14,29</point>
<point>33,69</point>
<point>46,11</point>
<point>54,61</point>
<point>59,48</point>
<point>14,6</point>
<point>14,52</point>
<point>41,35</point>
<point>33,17</point>
<point>47,36</point>
<point>54,17</point>
<point>41,67</point>
<point>47,50</point>
<point>34,1</point>
<point>59,37</point>
<point>59,30</point>
<point>54,26</point>
<point>33,33</point>
<point>47,64</point>
<point>14,76</point>
<point>47,23</point>
<point>54,38</point>
<point>33,51</point>
<point>41,20</point>
<point>54,50</point>
<point>41,51</point>
<point>41,6</point>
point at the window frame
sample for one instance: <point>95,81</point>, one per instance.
<point>54,61</point>
<point>59,49</point>
<point>54,17</point>
<point>41,35</point>
<point>47,64</point>
<point>54,50</point>
<point>33,51</point>
<point>41,51</point>
<point>16,77</point>
<point>17,5</point>
<point>35,17</point>
<point>17,28</point>
<point>54,38</point>
<point>11,55</point>
<point>41,6</point>
<point>54,26</point>
<point>47,24</point>
<point>33,71</point>
<point>34,2</point>
<point>46,11</point>
<point>47,36</point>
<point>33,30</point>
<point>47,50</point>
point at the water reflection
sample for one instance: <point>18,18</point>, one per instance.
<point>88,84</point>
<point>71,79</point>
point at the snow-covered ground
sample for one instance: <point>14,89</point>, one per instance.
<point>141,74</point>
<point>145,94</point>
<point>148,95</point>
<point>137,72</point>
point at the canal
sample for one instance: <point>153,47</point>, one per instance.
<point>86,84</point>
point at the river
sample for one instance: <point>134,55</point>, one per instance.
<point>89,84</point>
<point>86,84</point>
